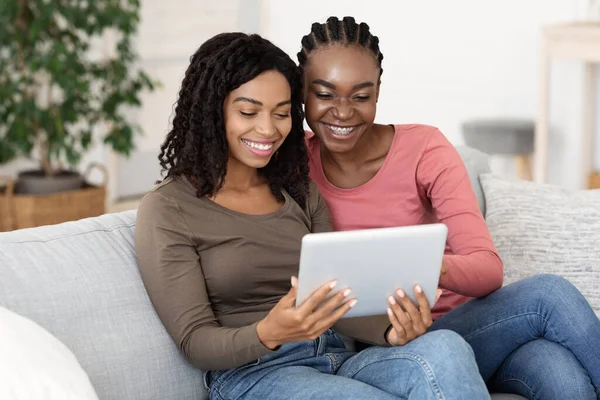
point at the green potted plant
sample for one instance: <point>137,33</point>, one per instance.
<point>55,97</point>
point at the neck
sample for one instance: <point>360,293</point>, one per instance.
<point>240,176</point>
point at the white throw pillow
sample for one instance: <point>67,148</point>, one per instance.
<point>35,365</point>
<point>541,228</point>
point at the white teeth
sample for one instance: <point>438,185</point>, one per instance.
<point>341,131</point>
<point>259,146</point>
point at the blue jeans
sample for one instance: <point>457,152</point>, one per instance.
<point>437,365</point>
<point>537,337</point>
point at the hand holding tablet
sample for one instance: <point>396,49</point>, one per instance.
<point>374,263</point>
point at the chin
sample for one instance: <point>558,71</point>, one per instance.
<point>258,164</point>
<point>338,146</point>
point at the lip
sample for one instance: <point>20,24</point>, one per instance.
<point>261,141</point>
<point>259,152</point>
<point>340,137</point>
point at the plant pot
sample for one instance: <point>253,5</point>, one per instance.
<point>19,211</point>
<point>35,182</point>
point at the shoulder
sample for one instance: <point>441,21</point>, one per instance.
<point>314,196</point>
<point>419,142</point>
<point>314,200</point>
<point>162,210</point>
<point>418,135</point>
<point>160,201</point>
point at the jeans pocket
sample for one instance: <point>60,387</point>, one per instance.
<point>206,379</point>
<point>228,382</point>
<point>225,376</point>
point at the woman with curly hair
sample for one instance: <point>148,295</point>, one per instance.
<point>218,244</point>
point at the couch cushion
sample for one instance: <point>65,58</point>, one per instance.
<point>80,281</point>
<point>35,365</point>
<point>541,228</point>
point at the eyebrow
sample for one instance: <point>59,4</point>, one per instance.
<point>332,86</point>
<point>258,103</point>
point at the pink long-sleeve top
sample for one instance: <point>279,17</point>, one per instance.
<point>423,180</point>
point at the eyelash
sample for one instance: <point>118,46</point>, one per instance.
<point>327,96</point>
<point>324,96</point>
<point>249,115</point>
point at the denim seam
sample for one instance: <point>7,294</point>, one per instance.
<point>420,361</point>
<point>508,319</point>
<point>217,394</point>
<point>335,364</point>
<point>218,383</point>
<point>531,393</point>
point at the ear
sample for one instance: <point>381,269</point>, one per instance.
<point>377,92</point>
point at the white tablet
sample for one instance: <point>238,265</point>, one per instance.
<point>373,263</point>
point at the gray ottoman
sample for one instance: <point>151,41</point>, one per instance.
<point>513,137</point>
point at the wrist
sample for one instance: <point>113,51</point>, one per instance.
<point>262,331</point>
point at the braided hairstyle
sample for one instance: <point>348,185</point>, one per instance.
<point>197,147</point>
<point>346,32</point>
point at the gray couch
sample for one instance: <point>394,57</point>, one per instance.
<point>80,281</point>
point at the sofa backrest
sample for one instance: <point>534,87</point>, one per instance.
<point>80,281</point>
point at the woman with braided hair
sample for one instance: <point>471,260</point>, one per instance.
<point>218,245</point>
<point>538,337</point>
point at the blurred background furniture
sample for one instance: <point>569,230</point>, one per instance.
<point>580,41</point>
<point>508,137</point>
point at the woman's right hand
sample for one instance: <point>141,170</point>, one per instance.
<point>408,321</point>
<point>286,323</point>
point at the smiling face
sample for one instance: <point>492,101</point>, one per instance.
<point>341,86</point>
<point>257,119</point>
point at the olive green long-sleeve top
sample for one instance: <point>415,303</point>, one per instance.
<point>213,273</point>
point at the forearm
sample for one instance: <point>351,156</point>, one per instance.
<point>473,275</point>
<point>219,348</point>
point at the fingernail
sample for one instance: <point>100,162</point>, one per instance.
<point>352,303</point>
<point>400,293</point>
<point>294,281</point>
<point>418,289</point>
<point>389,311</point>
<point>332,284</point>
<point>391,300</point>
<point>346,292</point>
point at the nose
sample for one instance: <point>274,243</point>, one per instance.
<point>265,127</point>
<point>342,110</point>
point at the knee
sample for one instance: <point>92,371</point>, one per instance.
<point>449,360</point>
<point>448,345</point>
<point>550,286</point>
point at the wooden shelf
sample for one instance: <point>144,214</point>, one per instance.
<point>572,40</point>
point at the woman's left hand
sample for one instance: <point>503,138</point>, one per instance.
<point>408,321</point>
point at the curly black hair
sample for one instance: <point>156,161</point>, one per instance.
<point>196,146</point>
<point>346,32</point>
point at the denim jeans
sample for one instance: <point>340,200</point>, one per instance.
<point>537,337</point>
<point>437,365</point>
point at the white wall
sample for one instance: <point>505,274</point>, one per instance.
<point>449,61</point>
<point>170,32</point>
<point>445,62</point>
